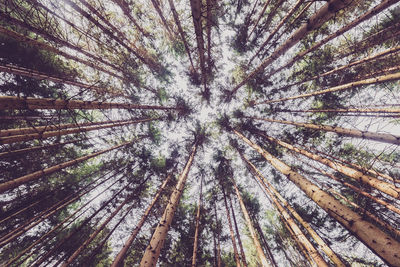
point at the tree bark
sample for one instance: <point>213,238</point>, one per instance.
<point>119,259</point>
<point>235,251</point>
<point>380,137</point>
<point>382,244</point>
<point>153,250</point>
<point>14,102</point>
<point>243,256</point>
<point>260,252</point>
<point>376,10</point>
<point>196,234</point>
<point>325,13</point>
<point>380,185</point>
<point>38,174</point>
<point>47,134</point>
<point>376,80</point>
<point>276,197</point>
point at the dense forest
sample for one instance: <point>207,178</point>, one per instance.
<point>200,133</point>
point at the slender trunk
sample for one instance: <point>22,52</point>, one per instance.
<point>119,259</point>
<point>43,237</point>
<point>376,80</point>
<point>382,244</point>
<point>56,127</point>
<point>77,229</point>
<point>40,217</point>
<point>48,48</point>
<point>260,252</point>
<point>57,40</point>
<point>181,32</point>
<point>96,232</point>
<point>128,12</point>
<point>38,174</point>
<point>235,251</point>
<point>276,29</point>
<point>276,197</point>
<point>196,7</point>
<point>43,76</point>
<point>325,13</point>
<point>264,242</point>
<point>243,256</point>
<point>43,135</point>
<point>14,102</point>
<point>376,10</point>
<point>34,148</point>
<point>218,239</point>
<point>157,7</point>
<point>380,137</point>
<point>259,17</point>
<point>367,213</point>
<point>394,110</point>
<point>380,185</point>
<point>196,234</point>
<point>153,250</point>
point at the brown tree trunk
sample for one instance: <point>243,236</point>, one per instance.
<point>382,244</point>
<point>260,252</point>
<point>376,80</point>
<point>153,250</point>
<point>276,197</point>
<point>243,256</point>
<point>196,233</point>
<point>380,185</point>
<point>259,17</point>
<point>38,174</point>
<point>325,13</point>
<point>376,10</point>
<point>218,239</point>
<point>47,134</point>
<point>181,32</point>
<point>119,259</point>
<point>157,7</point>
<point>46,47</point>
<point>43,76</point>
<point>235,251</point>
<point>380,137</point>
<point>14,102</point>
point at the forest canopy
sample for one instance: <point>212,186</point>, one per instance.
<point>199,133</point>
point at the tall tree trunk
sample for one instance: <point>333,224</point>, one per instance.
<point>235,251</point>
<point>264,241</point>
<point>40,217</point>
<point>17,152</point>
<point>260,252</point>
<point>276,197</point>
<point>119,259</point>
<point>43,76</point>
<point>360,110</point>
<point>196,233</point>
<point>38,174</point>
<point>47,134</point>
<point>218,239</point>
<point>325,13</point>
<point>380,137</point>
<point>48,48</point>
<point>52,127</point>
<point>157,7</point>
<point>57,40</point>
<point>14,102</point>
<point>376,10</point>
<point>43,237</point>
<point>382,186</point>
<point>77,229</point>
<point>382,244</point>
<point>243,256</point>
<point>375,80</point>
<point>153,250</point>
<point>259,17</point>
<point>181,32</point>
<point>276,29</point>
